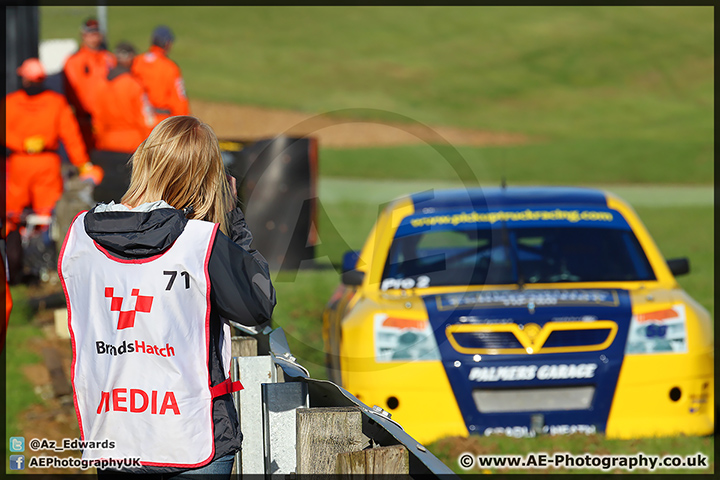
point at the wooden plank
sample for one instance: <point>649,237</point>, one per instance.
<point>243,346</point>
<point>388,460</point>
<point>53,362</point>
<point>351,463</point>
<point>322,433</point>
<point>392,460</point>
<point>61,323</point>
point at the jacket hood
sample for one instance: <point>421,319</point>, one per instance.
<point>144,231</point>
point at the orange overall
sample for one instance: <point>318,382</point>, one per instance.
<point>33,126</point>
<point>84,71</point>
<point>163,82</point>
<point>123,116</point>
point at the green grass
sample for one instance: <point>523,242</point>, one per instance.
<point>19,393</point>
<point>687,232</point>
<point>302,296</point>
<point>603,73</point>
<point>301,301</point>
<point>587,160</point>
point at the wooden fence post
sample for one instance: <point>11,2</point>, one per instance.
<point>392,460</point>
<point>322,433</point>
<point>243,346</point>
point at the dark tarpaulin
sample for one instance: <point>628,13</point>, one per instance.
<point>277,186</point>
<point>21,40</point>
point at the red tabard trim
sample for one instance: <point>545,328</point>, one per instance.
<point>136,260</point>
<point>72,334</point>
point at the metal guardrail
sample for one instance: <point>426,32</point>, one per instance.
<point>275,363</point>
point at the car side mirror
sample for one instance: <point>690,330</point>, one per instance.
<point>679,266</point>
<point>349,260</point>
<point>353,278</point>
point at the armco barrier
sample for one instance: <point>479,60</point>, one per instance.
<point>294,424</point>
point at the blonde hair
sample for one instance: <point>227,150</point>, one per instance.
<point>180,162</point>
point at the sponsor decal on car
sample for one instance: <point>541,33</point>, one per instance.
<point>660,331</point>
<point>403,339</point>
<point>584,318</point>
<point>510,373</point>
<point>524,431</point>
<point>572,216</point>
<point>476,319</point>
<point>423,281</point>
<point>512,298</point>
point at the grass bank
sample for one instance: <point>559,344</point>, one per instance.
<point>529,69</point>
<point>19,392</point>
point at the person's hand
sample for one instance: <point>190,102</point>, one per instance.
<point>233,185</point>
<point>92,173</point>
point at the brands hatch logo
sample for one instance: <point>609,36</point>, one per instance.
<point>126,319</point>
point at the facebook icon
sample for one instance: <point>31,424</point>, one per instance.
<point>17,462</point>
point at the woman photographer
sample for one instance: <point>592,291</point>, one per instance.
<point>149,284</point>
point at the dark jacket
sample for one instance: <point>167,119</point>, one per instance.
<point>240,289</point>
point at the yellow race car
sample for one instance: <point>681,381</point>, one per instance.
<point>520,311</point>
